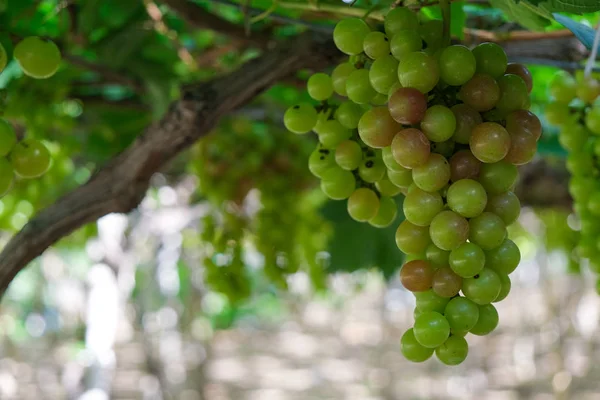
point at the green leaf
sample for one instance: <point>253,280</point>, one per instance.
<point>458,17</point>
<point>570,6</point>
<point>523,13</point>
<point>584,33</point>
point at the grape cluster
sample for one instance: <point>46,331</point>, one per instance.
<point>447,127</point>
<point>576,111</point>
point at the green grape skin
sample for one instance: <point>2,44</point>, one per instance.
<point>429,301</point>
<point>413,350</point>
<point>389,161</point>
<point>38,58</point>
<point>420,71</point>
<point>379,100</point>
<point>588,89</point>
<point>467,198</point>
<point>337,184</point>
<point>432,33</point>
<point>321,160</point>
<point>558,114</point>
<point>420,207</point>
<point>592,120</point>
<point>339,76</point>
<point>464,165</point>
<point>431,329</point>
<point>371,169</point>
<point>320,86</point>
<point>505,205</point>
<point>8,137</point>
<point>349,35</point>
<point>505,286</point>
<point>439,123</point>
<point>376,45</point>
<point>490,142</point>
<point>398,19</point>
<point>467,260</point>
<point>491,59</point>
<point>448,230</point>
<point>483,288</point>
<point>445,148</point>
<point>332,133</point>
<point>523,72</point>
<point>437,257</point>
<point>457,65</point>
<point>300,118</point>
<point>433,175</point>
<point>402,179</point>
<point>407,106</point>
<point>487,230</point>
<point>499,177</point>
<point>405,42</point>
<point>363,205</point>
<point>481,92</point>
<point>383,74</point>
<point>411,148</point>
<point>30,158</point>
<point>377,128</point>
<point>487,321</point>
<point>454,351</point>
<point>322,118</point>
<point>593,204</point>
<point>387,213</point>
<point>513,93</point>
<point>358,87</point>
<point>462,314</point>
<point>348,114</point>
<point>7,177</point>
<point>579,164</point>
<point>411,238</point>
<point>563,87</point>
<point>348,155</point>
<point>386,188</point>
<point>466,119</point>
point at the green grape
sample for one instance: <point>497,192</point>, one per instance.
<point>405,42</point>
<point>413,350</point>
<point>504,288</point>
<point>380,99</point>
<point>489,142</point>
<point>322,118</point>
<point>487,230</point>
<point>3,58</point>
<point>579,164</point>
<point>386,188</point>
<point>348,114</point>
<point>332,133</point>
<point>376,45</point>
<point>430,301</point>
<point>37,57</point>
<point>411,148</point>
<point>300,118</point>
<point>372,169</point>
<point>407,106</point>
<point>402,179</point>
<point>420,207</point>
<point>377,128</point>
<point>563,87</point>
<point>349,35</point>
<point>389,161</point>
<point>432,33</point>
<point>594,204</point>
<point>483,288</point>
<point>416,275</point>
<point>337,184</point>
<point>320,86</point>
<point>505,205</point>
<point>7,177</point>
<point>588,89</point>
<point>467,197</point>
<point>524,121</point>
<point>481,92</point>
<point>320,160</point>
<point>431,329</point>
<point>436,256</point>
<point>384,74</point>
<point>340,75</point>
<point>348,155</point>
<point>358,87</point>
<point>573,137</point>
<point>411,238</point>
<point>448,230</point>
<point>487,322</point>
<point>523,72</point>
<point>454,350</point>
<point>445,282</point>
<point>30,158</point>
<point>433,175</point>
<point>467,260</point>
<point>363,205</point>
<point>523,147</point>
<point>558,114</point>
<point>419,70</point>
<point>8,137</point>
<point>445,148</point>
<point>491,59</point>
<point>439,123</point>
<point>464,165</point>
<point>398,19</point>
<point>499,177</point>
<point>387,213</point>
<point>466,119</point>
<point>462,314</point>
<point>513,93</point>
<point>592,120</point>
<point>457,65</point>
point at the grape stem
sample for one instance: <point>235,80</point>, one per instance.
<point>592,59</point>
<point>446,16</point>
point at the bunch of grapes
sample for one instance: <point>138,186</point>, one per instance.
<point>447,127</point>
<point>576,111</point>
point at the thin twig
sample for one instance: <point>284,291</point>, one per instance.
<point>592,59</point>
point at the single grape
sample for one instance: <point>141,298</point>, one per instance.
<point>320,86</point>
<point>420,207</point>
<point>445,282</point>
<point>466,197</point>
<point>402,179</point>
<point>483,288</point>
<point>387,213</point>
<point>332,133</point>
<point>348,114</point>
<point>363,204</point>
<point>592,120</point>
<point>358,87</point>
<point>489,142</point>
<point>523,147</point>
<point>498,177</point>
<point>487,230</point>
<point>376,45</point>
<point>348,155</point>
<point>322,118</point>
<point>320,160</point>
<point>504,288</point>
<point>523,72</point>
<point>413,350</point>
<point>454,350</point>
<point>8,137</point>
<point>563,87</point>
<point>448,230</point>
<point>300,118</point>
<point>387,188</point>
<point>372,169</point>
<point>436,256</point>
<point>407,106</point>
<point>445,148</point>
<point>457,65</point>
<point>7,177</point>
<point>38,58</point>
<point>574,137</point>
<point>467,260</point>
<point>487,321</point>
<point>433,175</point>
<point>505,205</point>
<point>337,184</point>
<point>481,92</point>
<point>588,89</point>
<point>349,35</point>
<point>411,238</point>
<point>466,119</point>
<point>398,19</point>
<point>491,59</point>
<point>411,148</point>
<point>430,301</point>
<point>405,42</point>
<point>377,128</point>
<point>439,123</point>
<point>513,93</point>
<point>558,114</point>
<point>383,74</point>
<point>340,75</point>
<point>432,33</point>
<point>389,161</point>
<point>416,275</point>
<point>462,314</point>
<point>464,165</point>
<point>431,329</point>
<point>419,70</point>
<point>30,158</point>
